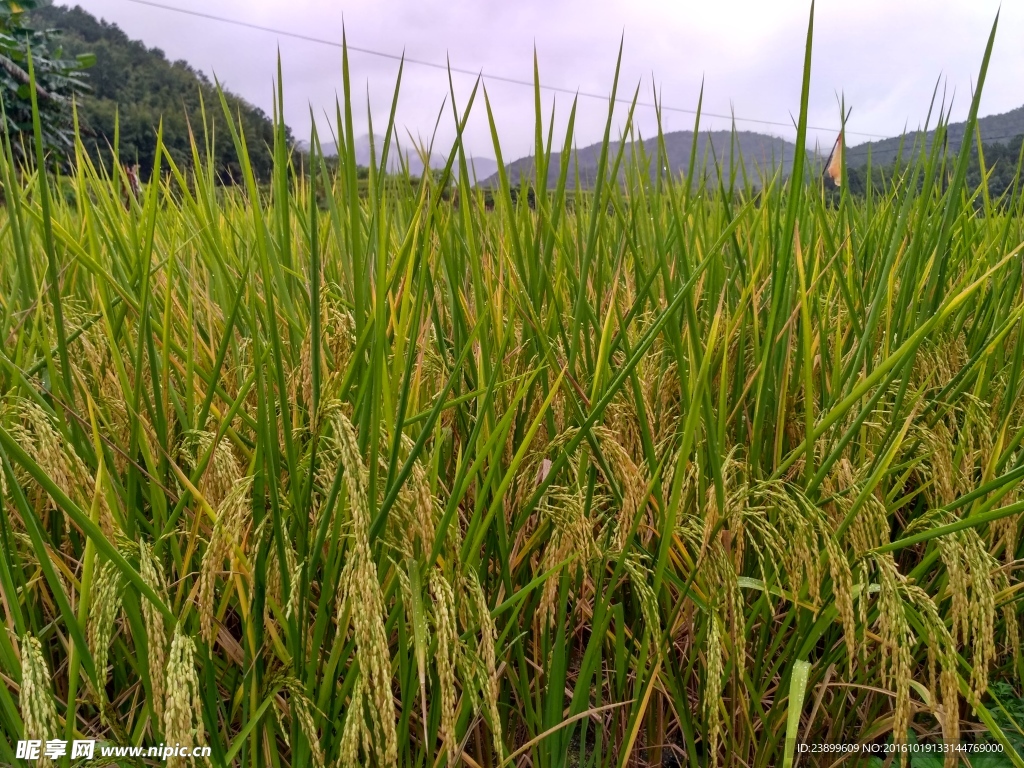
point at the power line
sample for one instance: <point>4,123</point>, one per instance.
<point>477,73</point>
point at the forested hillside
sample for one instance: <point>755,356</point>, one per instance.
<point>999,162</point>
<point>137,87</point>
<point>994,129</point>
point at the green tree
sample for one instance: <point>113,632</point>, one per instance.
<point>135,88</point>
<point>58,79</point>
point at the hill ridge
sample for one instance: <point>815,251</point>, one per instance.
<point>768,153</point>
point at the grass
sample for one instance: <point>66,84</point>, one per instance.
<point>686,474</point>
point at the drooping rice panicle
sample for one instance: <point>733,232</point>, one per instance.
<point>342,467</point>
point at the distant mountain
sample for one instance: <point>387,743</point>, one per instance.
<point>995,129</point>
<point>479,167</point>
<point>760,154</point>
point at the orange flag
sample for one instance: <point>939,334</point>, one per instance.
<point>834,164</point>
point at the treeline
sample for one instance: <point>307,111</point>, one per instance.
<point>136,87</point>
<point>1001,166</point>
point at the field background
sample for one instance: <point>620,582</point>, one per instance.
<point>354,471</point>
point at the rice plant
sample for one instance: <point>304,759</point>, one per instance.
<point>660,472</point>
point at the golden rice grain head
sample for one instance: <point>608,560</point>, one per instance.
<point>733,600</point>
<point>939,467</point>
<point>981,566</point>
<point>23,437</point>
<point>713,688</point>
<point>183,720</point>
<point>363,593</point>
<point>445,659</point>
<point>54,454</point>
<point>897,640</point>
<point>1003,534</point>
<point>103,612</point>
<point>977,437</point>
<point>953,558</point>
<point>95,350</point>
<point>223,470</point>
<point>488,638</point>
<point>38,711</point>
<point>374,658</point>
<point>571,537</point>
<point>633,481</point>
<point>1011,618</point>
<point>938,361</point>
<point>337,338</point>
<point>667,402</point>
<point>301,709</point>
<point>798,523</point>
<point>621,419</point>
<point>695,515</point>
<point>411,528</point>
<point>156,633</point>
<point>863,572</point>
<point>738,510</point>
<point>842,592</point>
<point>355,732</point>
<point>941,648</point>
<point>339,328</point>
<point>1001,583</point>
<point>470,670</point>
<point>377,726</point>
<point>355,472</point>
<point>240,370</point>
<point>870,527</point>
<point>112,400</point>
<point>232,518</point>
<point>972,572</point>
<point>422,508</point>
<point>294,578</point>
<point>300,382</point>
<point>329,466</point>
<point>837,486</point>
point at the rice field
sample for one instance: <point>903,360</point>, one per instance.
<point>340,473</point>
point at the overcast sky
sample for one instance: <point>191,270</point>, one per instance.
<point>885,56</point>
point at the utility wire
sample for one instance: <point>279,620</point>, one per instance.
<point>480,73</point>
